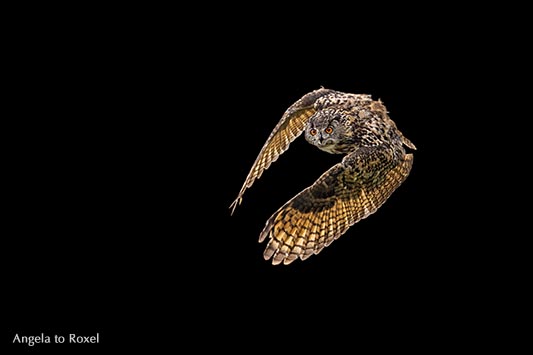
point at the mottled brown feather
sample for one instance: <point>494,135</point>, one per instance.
<point>291,125</point>
<point>374,165</point>
<point>363,198</point>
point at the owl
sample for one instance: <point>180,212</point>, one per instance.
<point>374,164</point>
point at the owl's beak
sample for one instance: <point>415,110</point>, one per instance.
<point>325,142</point>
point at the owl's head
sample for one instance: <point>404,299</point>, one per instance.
<point>327,130</point>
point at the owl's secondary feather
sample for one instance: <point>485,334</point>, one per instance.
<point>374,166</point>
<point>345,194</point>
<point>291,125</point>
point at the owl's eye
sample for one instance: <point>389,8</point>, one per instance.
<point>328,130</point>
<point>312,132</point>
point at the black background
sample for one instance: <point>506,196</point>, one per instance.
<point>130,143</point>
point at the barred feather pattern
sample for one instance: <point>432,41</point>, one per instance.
<point>375,164</point>
<point>324,211</point>
<point>291,125</point>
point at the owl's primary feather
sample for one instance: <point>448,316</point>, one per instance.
<point>291,125</point>
<point>374,166</point>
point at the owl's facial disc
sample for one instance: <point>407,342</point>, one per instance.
<point>324,129</point>
<point>319,136</point>
<point>328,131</point>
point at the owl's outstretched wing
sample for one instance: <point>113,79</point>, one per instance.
<point>291,125</point>
<point>342,196</point>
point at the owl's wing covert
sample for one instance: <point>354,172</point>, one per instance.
<point>291,125</point>
<point>342,196</point>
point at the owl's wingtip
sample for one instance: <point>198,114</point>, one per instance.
<point>408,143</point>
<point>411,145</point>
<point>234,204</point>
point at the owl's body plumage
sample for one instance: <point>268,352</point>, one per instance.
<point>374,165</point>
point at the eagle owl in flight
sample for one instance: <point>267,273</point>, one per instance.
<point>374,165</point>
